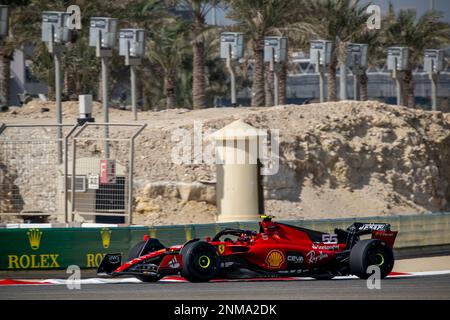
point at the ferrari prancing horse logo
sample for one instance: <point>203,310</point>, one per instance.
<point>275,259</point>
<point>221,248</point>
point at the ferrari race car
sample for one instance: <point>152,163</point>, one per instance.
<point>277,250</point>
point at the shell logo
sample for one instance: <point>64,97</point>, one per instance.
<point>275,259</point>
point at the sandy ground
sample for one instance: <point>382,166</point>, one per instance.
<point>423,264</point>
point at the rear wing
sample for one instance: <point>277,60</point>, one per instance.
<point>367,228</point>
<point>381,231</point>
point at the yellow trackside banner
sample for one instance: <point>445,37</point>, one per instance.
<point>57,248</point>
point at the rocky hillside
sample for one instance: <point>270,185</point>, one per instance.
<point>336,160</point>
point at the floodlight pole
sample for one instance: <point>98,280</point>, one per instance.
<point>398,90</point>
<point>276,88</point>
<point>275,79</point>
<point>356,93</point>
<point>102,53</point>
<point>398,85</point>
<point>232,79</point>
<point>133,91</point>
<point>132,62</point>
<point>358,71</point>
<point>105,103</point>
<point>433,77</point>
<point>343,81</point>
<point>55,49</point>
<point>321,78</point>
<point>57,59</point>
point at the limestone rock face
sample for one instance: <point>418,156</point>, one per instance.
<point>336,159</point>
<point>184,191</point>
<point>9,201</point>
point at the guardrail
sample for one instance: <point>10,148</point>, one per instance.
<point>57,248</point>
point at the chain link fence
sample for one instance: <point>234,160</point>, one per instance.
<point>103,170</point>
<point>29,170</point>
<point>36,170</point>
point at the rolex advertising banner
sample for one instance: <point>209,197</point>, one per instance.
<point>57,248</point>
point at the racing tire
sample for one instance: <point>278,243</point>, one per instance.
<point>200,262</point>
<point>368,253</point>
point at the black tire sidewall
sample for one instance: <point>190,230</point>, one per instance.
<point>359,257</point>
<point>190,255</point>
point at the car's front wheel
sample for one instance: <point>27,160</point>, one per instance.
<point>371,252</point>
<point>200,262</point>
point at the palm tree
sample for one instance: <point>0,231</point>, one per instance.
<point>166,48</point>
<point>215,77</point>
<point>418,34</point>
<point>258,18</point>
<point>198,9</point>
<point>376,55</point>
<point>6,53</point>
<point>282,77</point>
<point>79,62</point>
<point>25,18</point>
<point>340,21</point>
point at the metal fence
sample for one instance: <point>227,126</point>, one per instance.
<point>103,170</point>
<point>37,163</point>
<point>29,169</point>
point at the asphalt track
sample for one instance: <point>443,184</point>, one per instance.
<point>419,288</point>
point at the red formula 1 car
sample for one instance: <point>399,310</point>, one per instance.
<point>277,250</point>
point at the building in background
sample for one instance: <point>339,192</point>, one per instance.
<point>22,80</point>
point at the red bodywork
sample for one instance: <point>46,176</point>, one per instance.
<point>277,247</point>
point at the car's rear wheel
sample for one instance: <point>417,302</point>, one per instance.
<point>371,252</point>
<point>200,262</point>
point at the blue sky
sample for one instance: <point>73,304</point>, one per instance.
<point>420,5</point>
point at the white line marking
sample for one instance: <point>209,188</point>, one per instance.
<point>176,279</point>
